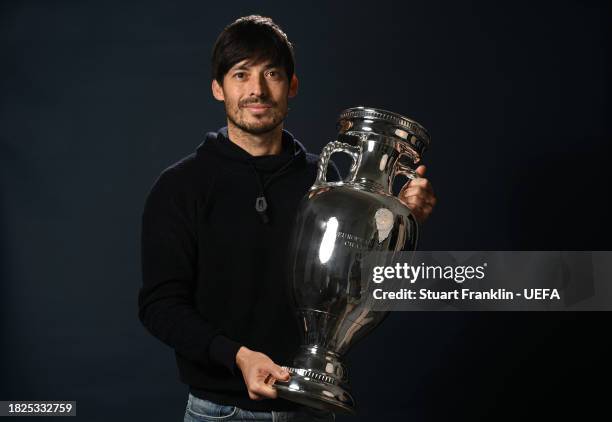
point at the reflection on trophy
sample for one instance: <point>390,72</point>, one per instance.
<point>337,224</point>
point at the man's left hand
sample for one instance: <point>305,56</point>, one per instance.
<point>418,195</point>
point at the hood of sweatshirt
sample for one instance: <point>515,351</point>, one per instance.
<point>264,169</point>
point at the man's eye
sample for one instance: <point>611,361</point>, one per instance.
<point>239,75</point>
<point>273,74</point>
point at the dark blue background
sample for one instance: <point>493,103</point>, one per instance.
<point>97,98</point>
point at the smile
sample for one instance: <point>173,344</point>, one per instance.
<point>257,106</point>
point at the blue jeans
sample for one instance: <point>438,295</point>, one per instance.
<point>199,410</point>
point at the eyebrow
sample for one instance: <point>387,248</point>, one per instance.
<point>246,66</point>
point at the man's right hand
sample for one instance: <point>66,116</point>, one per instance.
<point>256,369</point>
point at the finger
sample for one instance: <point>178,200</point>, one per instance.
<point>424,193</point>
<point>271,379</point>
<point>265,391</point>
<point>418,184</point>
<point>419,200</point>
<point>420,209</point>
<point>282,374</point>
<point>420,170</point>
<point>417,189</point>
<point>277,371</point>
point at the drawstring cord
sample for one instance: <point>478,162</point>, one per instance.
<point>261,204</point>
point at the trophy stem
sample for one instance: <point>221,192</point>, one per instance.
<point>318,379</point>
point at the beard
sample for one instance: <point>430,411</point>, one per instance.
<point>274,117</point>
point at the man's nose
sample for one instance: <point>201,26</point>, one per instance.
<point>258,86</point>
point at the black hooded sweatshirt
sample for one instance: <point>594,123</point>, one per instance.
<point>215,236</point>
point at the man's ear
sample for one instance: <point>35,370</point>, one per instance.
<point>293,86</point>
<point>217,91</point>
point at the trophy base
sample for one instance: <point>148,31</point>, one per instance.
<point>304,389</point>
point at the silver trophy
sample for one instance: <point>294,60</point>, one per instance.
<point>337,224</point>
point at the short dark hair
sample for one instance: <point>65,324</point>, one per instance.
<point>251,37</point>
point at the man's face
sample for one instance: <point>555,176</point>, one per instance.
<point>255,95</point>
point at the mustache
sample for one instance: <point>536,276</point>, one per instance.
<point>250,101</point>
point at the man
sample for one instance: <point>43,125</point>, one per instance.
<point>215,234</point>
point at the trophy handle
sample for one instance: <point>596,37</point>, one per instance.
<point>409,172</point>
<point>405,170</point>
<point>331,148</point>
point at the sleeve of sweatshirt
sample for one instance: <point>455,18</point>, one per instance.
<point>169,259</point>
